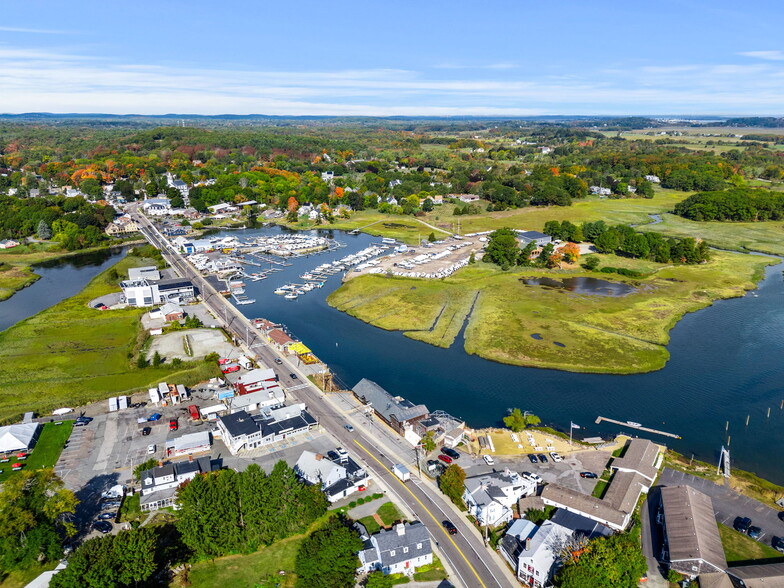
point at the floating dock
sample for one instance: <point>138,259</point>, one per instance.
<point>637,428</point>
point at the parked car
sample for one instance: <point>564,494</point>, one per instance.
<point>224,361</point>
<point>445,458</point>
<point>781,515</point>
<point>488,459</point>
<point>230,369</point>
<point>155,416</point>
<point>778,544</point>
<point>533,477</point>
<point>103,526</point>
<point>450,528</point>
<point>589,475</point>
<point>555,457</point>
<point>742,524</point>
<point>754,532</point>
<point>81,423</point>
<point>293,376</point>
<point>361,488</point>
<point>107,516</point>
<point>110,504</point>
<point>450,452</point>
<point>138,405</point>
<point>86,419</point>
<point>146,431</point>
<point>333,455</point>
<point>542,457</point>
<point>173,425</point>
<point>533,458</point>
<point>151,449</point>
<point>349,428</point>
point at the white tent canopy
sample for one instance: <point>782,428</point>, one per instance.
<point>18,437</point>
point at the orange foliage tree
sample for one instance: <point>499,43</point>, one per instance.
<point>570,252</point>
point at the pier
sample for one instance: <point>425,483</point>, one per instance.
<point>636,428</point>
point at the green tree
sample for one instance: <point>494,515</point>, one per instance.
<point>432,237</point>
<point>379,579</point>
<point>428,443</point>
<point>502,249</point>
<point>141,362</point>
<point>43,231</point>
<point>143,467</point>
<point>517,421</point>
<point>327,558</point>
<point>452,483</point>
<point>591,262</point>
<point>157,360</point>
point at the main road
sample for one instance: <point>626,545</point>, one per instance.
<point>474,563</point>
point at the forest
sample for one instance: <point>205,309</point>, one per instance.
<point>739,204</point>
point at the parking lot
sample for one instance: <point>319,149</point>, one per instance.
<point>728,504</point>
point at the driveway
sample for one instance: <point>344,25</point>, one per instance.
<point>728,504</point>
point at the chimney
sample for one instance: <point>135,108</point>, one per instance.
<point>527,543</point>
<point>401,529</point>
<point>319,457</point>
<point>190,457</point>
<point>160,464</point>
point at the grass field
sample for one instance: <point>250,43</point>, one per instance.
<point>71,355</point>
<point>740,547</point>
<point>47,449</point>
<point>596,333</point>
<point>21,578</point>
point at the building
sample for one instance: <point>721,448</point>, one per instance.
<point>539,555</point>
<point>272,398</point>
<point>172,312</point>
<point>600,190</point>
<point>279,339</point>
<point>19,437</point>
<point>527,237</point>
<point>692,542</point>
<point>399,550</point>
<point>465,197</point>
<point>589,506</point>
<point>653,179</point>
<point>397,412</point>
<point>757,576</point>
<point>122,225</point>
<point>257,380</point>
<point>148,272</point>
<point>159,484</point>
<point>147,293</point>
<point>159,206</point>
<point>336,480</point>
<point>641,456</point>
<point>241,431</point>
<point>490,497</point>
<point>189,444</point>
<point>445,429</point>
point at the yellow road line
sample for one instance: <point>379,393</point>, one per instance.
<point>448,536</point>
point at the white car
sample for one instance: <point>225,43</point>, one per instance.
<point>151,449</point>
<point>488,459</point>
<point>533,477</point>
<point>556,457</point>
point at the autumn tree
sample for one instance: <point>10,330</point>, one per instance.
<point>570,252</point>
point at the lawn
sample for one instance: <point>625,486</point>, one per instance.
<point>47,449</point>
<point>599,334</point>
<point>389,514</point>
<point>239,571</point>
<point>21,578</point>
<point>71,355</point>
<point>740,547</point>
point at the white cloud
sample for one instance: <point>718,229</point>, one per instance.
<point>767,55</point>
<point>34,31</point>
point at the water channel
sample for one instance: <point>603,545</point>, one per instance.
<point>727,362</point>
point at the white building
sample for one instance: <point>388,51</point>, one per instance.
<point>490,497</point>
<point>336,480</point>
<point>400,550</point>
<point>241,431</point>
<point>159,484</point>
<point>159,206</point>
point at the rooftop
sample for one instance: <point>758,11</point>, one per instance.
<point>585,504</point>
<point>387,405</point>
<point>240,423</point>
<point>640,456</point>
<point>624,490</point>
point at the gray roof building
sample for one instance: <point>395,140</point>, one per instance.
<point>401,549</point>
<point>693,540</point>
<point>758,576</point>
<point>396,411</point>
<point>586,505</point>
<point>640,456</point>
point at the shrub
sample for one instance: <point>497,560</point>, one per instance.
<point>352,504</point>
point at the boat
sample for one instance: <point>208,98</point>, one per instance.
<point>290,296</point>
<point>633,424</point>
<point>246,301</point>
<point>282,291</point>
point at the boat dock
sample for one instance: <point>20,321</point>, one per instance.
<point>637,427</point>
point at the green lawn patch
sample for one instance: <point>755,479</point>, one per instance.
<point>71,355</point>
<point>21,578</point>
<point>599,489</point>
<point>430,576</point>
<point>47,449</point>
<point>740,547</point>
<point>371,524</point>
<point>598,334</point>
<point>389,513</point>
<point>131,509</point>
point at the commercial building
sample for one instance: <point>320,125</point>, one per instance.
<point>241,431</point>
<point>397,412</point>
<point>159,484</point>
<point>189,444</point>
<point>143,292</point>
<point>527,237</point>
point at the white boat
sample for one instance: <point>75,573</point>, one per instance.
<point>633,424</point>
<point>281,291</point>
<point>290,296</point>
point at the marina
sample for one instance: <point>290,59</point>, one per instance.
<point>636,426</point>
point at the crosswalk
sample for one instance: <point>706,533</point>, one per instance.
<point>299,387</point>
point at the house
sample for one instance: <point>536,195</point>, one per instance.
<point>159,206</point>
<point>437,198</point>
<point>241,431</point>
<point>273,397</point>
<point>653,179</point>
<point>397,412</point>
<point>222,208</point>
<point>189,444</point>
<point>490,497</point>
<point>445,429</point>
<point>538,552</point>
<point>640,456</point>
<point>336,480</point>
<point>399,550</point>
<point>19,437</point>
<point>122,225</point>
<point>757,576</point>
<point>279,339</point>
<point>599,190</point>
<point>467,198</point>
<point>149,272</point>
<point>327,176</point>
<point>172,312</point>
<point>159,484</point>
<point>527,237</point>
<point>691,535</point>
<point>588,506</point>
<point>515,540</point>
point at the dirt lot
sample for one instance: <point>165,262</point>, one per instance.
<point>202,342</point>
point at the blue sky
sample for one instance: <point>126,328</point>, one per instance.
<point>405,58</point>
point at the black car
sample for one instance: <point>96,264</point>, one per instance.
<point>778,544</point>
<point>754,532</point>
<point>103,526</point>
<point>293,376</point>
<point>542,458</point>
<point>590,475</point>
<point>450,528</point>
<point>533,458</point>
<point>450,452</point>
<point>146,431</point>
<point>742,524</point>
<point>86,419</point>
<point>333,455</point>
<point>107,516</point>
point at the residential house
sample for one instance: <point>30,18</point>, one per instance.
<point>122,225</point>
<point>336,480</point>
<point>641,456</point>
<point>327,176</point>
<point>467,198</point>
<point>172,312</point>
<point>490,497</point>
<point>241,431</point>
<point>159,484</point>
<point>445,429</point>
<point>257,380</point>
<point>599,190</point>
<point>399,550</point>
<point>280,340</point>
<point>397,412</point>
<point>437,198</point>
<point>159,206</point>
<point>273,397</point>
<point>537,553</point>
<point>693,544</point>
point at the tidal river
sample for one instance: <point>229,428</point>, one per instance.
<point>727,362</point>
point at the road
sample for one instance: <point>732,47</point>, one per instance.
<point>472,562</point>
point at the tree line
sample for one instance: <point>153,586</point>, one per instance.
<point>738,204</point>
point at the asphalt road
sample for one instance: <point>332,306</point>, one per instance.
<point>472,562</point>
<point>728,504</point>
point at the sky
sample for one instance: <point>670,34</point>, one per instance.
<point>426,58</point>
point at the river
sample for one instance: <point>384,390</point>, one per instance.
<point>727,362</point>
<point>60,279</point>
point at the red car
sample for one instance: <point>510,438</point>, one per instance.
<point>362,488</point>
<point>173,425</point>
<point>230,369</point>
<point>224,361</point>
<point>445,458</point>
